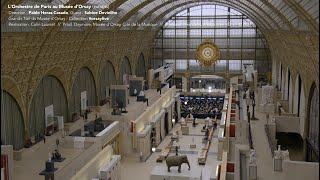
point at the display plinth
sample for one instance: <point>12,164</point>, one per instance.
<point>161,173</point>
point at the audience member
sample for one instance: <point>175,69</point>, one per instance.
<point>204,105</point>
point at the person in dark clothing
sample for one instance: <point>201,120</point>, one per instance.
<point>215,125</point>
<point>194,122</point>
<point>207,133</point>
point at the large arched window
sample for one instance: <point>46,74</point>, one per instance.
<point>238,38</point>
<point>12,123</point>
<point>49,92</point>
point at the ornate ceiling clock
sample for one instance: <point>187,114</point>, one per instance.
<point>207,53</point>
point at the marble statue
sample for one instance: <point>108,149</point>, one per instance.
<point>183,120</point>
<point>209,120</point>
<point>285,154</point>
<point>252,156</point>
<point>174,134</point>
<point>135,91</point>
<point>141,93</point>
<point>177,161</point>
<point>278,153</point>
<point>50,156</point>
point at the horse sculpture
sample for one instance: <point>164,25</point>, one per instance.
<point>177,161</point>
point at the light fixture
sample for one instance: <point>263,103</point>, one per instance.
<point>153,149</point>
<point>185,103</point>
<point>193,90</point>
<point>173,120</point>
<point>209,87</point>
<point>199,81</point>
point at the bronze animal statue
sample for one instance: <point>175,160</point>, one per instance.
<point>177,161</point>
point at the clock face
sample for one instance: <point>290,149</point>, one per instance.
<point>207,53</point>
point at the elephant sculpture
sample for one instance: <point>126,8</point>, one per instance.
<point>177,161</point>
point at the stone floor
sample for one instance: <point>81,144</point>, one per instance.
<point>33,158</point>
<point>263,154</point>
<point>130,167</point>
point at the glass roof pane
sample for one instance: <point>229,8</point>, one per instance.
<point>245,42</point>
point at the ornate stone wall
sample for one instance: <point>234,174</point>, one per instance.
<point>28,57</point>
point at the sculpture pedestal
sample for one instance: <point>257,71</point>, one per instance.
<point>252,171</point>
<point>161,173</point>
<point>277,164</point>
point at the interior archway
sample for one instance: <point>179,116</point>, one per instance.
<point>107,78</point>
<point>280,78</point>
<point>299,103</point>
<point>83,82</point>
<point>49,92</point>
<point>141,67</point>
<point>12,123</point>
<point>313,125</point>
<point>125,68</point>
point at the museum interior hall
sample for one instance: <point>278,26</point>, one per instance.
<point>160,89</point>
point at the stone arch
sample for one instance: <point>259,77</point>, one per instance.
<point>125,68</point>
<point>312,124</point>
<point>107,78</point>
<point>84,81</point>
<point>141,67</point>
<point>9,85</point>
<point>299,102</point>
<point>49,91</point>
<point>59,73</point>
<point>12,122</point>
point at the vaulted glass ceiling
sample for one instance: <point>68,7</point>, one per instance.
<point>238,38</point>
<point>267,14</point>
